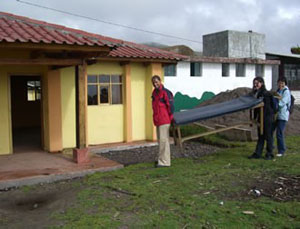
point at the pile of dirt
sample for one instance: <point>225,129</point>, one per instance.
<point>293,128</point>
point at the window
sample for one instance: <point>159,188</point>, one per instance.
<point>196,69</point>
<point>292,74</point>
<point>225,69</point>
<point>104,89</point>
<point>170,70</point>
<point>259,70</point>
<point>240,69</point>
<point>33,90</point>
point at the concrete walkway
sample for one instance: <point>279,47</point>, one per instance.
<point>33,166</point>
<point>41,167</point>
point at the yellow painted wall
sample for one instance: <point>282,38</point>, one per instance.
<point>5,113</point>
<point>152,69</point>
<point>68,107</point>
<point>5,124</point>
<point>105,122</point>
<point>139,97</point>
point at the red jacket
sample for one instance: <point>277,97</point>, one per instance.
<point>161,107</point>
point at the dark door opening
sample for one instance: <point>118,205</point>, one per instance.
<point>26,113</point>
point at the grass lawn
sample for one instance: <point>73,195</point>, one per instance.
<point>210,192</point>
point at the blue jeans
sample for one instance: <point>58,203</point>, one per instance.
<point>280,126</point>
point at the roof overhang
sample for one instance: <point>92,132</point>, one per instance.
<point>30,45</point>
<point>233,60</point>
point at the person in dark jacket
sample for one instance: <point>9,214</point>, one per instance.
<point>162,118</point>
<point>259,91</point>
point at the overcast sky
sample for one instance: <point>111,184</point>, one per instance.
<point>279,20</point>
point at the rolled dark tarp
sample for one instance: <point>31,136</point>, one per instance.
<point>214,110</point>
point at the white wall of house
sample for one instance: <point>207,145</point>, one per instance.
<point>296,94</point>
<point>212,79</point>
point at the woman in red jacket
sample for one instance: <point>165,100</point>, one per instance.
<point>162,118</point>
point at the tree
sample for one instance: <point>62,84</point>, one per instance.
<point>295,50</point>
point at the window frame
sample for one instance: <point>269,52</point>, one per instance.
<point>228,70</point>
<point>37,90</point>
<point>244,69</point>
<point>106,84</point>
<point>192,69</point>
<point>167,70</point>
<point>262,70</point>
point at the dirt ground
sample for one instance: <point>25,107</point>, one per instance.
<point>279,188</point>
<point>292,128</point>
<point>32,207</point>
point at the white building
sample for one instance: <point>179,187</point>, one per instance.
<point>231,59</point>
<point>198,75</point>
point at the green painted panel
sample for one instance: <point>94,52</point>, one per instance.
<point>185,102</point>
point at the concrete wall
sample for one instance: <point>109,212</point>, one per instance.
<point>296,94</point>
<point>68,107</point>
<point>212,80</point>
<point>234,44</point>
<point>139,96</point>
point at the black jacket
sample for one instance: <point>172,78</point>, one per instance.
<point>268,104</point>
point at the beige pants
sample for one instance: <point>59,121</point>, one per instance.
<point>164,155</point>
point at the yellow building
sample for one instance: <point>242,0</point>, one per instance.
<point>65,88</point>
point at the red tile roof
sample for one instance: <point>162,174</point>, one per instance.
<point>15,28</point>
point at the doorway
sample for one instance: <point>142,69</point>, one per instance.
<point>26,96</point>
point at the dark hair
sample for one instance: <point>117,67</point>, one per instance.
<point>155,77</point>
<point>282,79</point>
<point>261,80</point>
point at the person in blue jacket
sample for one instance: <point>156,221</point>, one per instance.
<point>283,114</point>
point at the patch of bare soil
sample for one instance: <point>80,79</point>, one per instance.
<point>33,208</point>
<point>292,127</point>
<point>149,154</point>
<point>281,188</point>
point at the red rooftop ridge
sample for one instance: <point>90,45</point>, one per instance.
<point>14,28</point>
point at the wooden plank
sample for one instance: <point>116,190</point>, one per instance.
<point>261,121</point>
<point>54,46</point>
<point>180,139</point>
<point>81,106</point>
<point>128,105</point>
<point>40,62</point>
<point>202,125</point>
<point>54,111</point>
<point>174,134</point>
<point>143,60</point>
<point>214,131</point>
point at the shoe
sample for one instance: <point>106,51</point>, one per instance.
<point>254,156</point>
<point>269,157</point>
<point>279,155</point>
